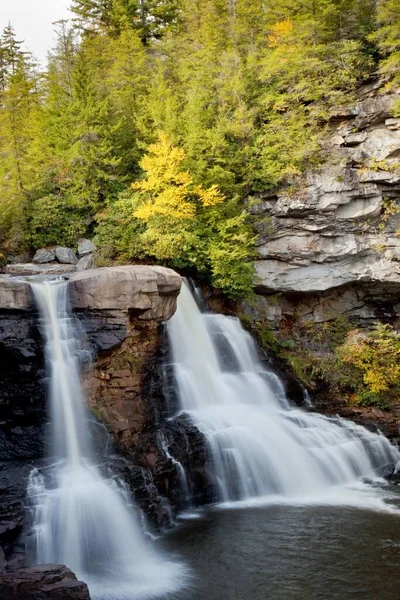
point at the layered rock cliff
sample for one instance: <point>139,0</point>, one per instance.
<point>329,250</point>
<point>328,243</point>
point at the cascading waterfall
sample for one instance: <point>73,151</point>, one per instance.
<point>183,480</point>
<point>261,446</point>
<point>80,517</point>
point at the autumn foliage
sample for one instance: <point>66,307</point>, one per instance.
<point>376,354</point>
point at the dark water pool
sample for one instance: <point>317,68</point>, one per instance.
<point>290,553</point>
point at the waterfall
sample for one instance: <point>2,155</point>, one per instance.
<point>183,480</point>
<point>261,446</point>
<point>80,517</point>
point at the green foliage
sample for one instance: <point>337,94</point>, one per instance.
<point>387,37</point>
<point>148,17</point>
<point>368,398</point>
<point>376,355</point>
<point>243,88</point>
<point>55,220</point>
<point>118,233</point>
<point>20,113</point>
<point>333,333</point>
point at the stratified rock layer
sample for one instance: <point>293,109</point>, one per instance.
<point>329,245</point>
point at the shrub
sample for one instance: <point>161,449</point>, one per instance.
<point>376,356</point>
<point>55,221</point>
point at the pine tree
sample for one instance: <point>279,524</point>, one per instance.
<point>388,38</point>
<point>149,17</point>
<point>80,163</point>
<point>19,120</point>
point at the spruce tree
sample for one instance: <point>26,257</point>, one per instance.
<point>19,121</point>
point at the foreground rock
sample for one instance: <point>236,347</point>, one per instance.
<point>52,582</point>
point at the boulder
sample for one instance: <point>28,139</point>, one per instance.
<point>66,255</point>
<point>148,292</point>
<point>52,582</point>
<point>85,247</point>
<point>45,255</point>
<point>15,294</point>
<point>85,263</point>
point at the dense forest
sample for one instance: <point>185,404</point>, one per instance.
<point>155,119</point>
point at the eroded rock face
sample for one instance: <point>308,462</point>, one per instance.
<point>52,582</point>
<point>330,243</point>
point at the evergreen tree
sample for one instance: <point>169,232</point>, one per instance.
<point>80,172</point>
<point>19,122</point>
<point>388,38</point>
<point>149,17</point>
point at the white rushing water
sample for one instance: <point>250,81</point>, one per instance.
<point>81,518</point>
<point>262,448</point>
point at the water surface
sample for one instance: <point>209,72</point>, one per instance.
<point>290,553</point>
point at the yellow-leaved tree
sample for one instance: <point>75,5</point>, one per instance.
<point>173,219</point>
<point>169,201</point>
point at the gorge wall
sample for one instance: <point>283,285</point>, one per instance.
<point>328,246</point>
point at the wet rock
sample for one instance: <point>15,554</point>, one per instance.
<point>86,247</point>
<point>131,391</point>
<point>22,387</point>
<point>85,263</point>
<point>66,255</point>
<point>45,255</point>
<point>13,518</point>
<point>394,477</point>
<point>52,582</point>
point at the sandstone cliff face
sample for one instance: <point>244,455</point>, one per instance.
<point>329,243</point>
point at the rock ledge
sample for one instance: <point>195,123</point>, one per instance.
<point>148,292</point>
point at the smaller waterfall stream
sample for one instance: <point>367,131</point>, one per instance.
<point>261,446</point>
<point>80,517</point>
